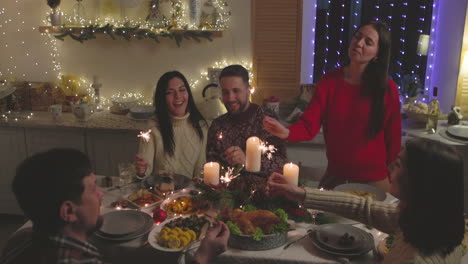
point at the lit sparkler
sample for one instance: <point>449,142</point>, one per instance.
<point>228,176</point>
<point>268,150</point>
<point>145,135</point>
<point>220,136</point>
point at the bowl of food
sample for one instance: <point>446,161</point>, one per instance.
<point>175,235</point>
<point>177,205</point>
<point>416,110</point>
<point>143,198</point>
<point>362,190</point>
<point>142,112</point>
<point>257,229</point>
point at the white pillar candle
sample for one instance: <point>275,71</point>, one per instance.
<point>291,172</point>
<point>211,173</point>
<point>253,154</point>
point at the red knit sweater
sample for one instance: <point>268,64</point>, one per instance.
<point>344,114</point>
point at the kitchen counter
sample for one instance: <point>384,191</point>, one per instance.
<point>99,120</point>
<point>411,129</point>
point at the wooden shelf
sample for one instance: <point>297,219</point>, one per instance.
<point>77,30</point>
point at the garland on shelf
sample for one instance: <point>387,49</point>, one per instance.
<point>88,32</point>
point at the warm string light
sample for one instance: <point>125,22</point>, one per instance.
<point>222,64</point>
<point>180,12</point>
<point>15,117</point>
<point>432,50</point>
<point>14,33</point>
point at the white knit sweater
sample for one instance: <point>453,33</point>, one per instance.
<point>380,215</point>
<point>189,149</point>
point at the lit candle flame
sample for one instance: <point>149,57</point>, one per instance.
<point>145,135</point>
<point>220,135</point>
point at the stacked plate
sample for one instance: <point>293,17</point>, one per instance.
<point>342,240</point>
<point>124,225</point>
<point>180,181</point>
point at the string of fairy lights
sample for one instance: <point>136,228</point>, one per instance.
<point>13,19</point>
<point>432,49</point>
<point>341,34</point>
<point>327,36</point>
<point>386,10</point>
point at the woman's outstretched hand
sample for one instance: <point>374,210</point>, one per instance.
<point>278,185</point>
<point>275,128</point>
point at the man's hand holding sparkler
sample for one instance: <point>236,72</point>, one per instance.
<point>234,155</point>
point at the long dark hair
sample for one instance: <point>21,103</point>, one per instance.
<point>431,217</point>
<point>375,78</point>
<point>163,115</point>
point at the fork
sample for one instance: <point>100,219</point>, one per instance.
<point>294,241</point>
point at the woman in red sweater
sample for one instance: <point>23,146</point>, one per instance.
<point>359,109</point>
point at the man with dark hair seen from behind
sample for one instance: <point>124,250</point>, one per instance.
<point>57,191</point>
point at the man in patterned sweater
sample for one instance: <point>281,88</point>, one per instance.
<point>228,133</point>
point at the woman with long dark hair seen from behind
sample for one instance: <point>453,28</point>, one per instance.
<point>358,107</point>
<point>428,222</point>
<point>178,135</point>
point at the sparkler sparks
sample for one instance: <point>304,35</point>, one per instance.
<point>268,150</point>
<point>145,135</point>
<point>228,176</point>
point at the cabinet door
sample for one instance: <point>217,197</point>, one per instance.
<point>108,148</point>
<point>43,139</point>
<point>12,152</point>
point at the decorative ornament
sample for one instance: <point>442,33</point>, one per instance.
<point>159,215</point>
<point>53,4</point>
<point>79,15</point>
<point>88,33</point>
<point>208,15</point>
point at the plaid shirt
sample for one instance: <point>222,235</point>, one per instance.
<point>63,250</point>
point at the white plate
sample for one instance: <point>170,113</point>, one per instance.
<point>155,232</point>
<point>180,181</point>
<point>367,247</point>
<point>144,229</point>
<point>121,223</point>
<point>129,116</point>
<point>379,194</point>
<point>330,234</point>
<point>458,131</point>
<point>127,197</point>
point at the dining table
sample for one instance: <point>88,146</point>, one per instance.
<point>138,250</point>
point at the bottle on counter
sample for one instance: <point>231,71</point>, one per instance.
<point>433,114</point>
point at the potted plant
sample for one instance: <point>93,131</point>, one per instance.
<point>54,18</point>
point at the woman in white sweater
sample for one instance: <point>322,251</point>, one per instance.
<point>178,134</point>
<point>428,222</point>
